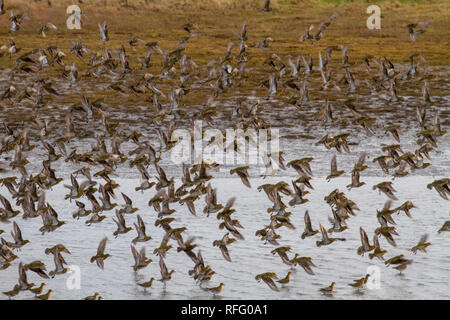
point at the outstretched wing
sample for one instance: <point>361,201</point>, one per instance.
<point>333,164</point>
<point>307,221</point>
<point>102,246</point>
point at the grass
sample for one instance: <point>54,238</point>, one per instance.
<point>155,20</point>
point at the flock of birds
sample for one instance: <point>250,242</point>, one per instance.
<point>28,190</point>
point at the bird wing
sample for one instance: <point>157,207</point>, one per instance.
<point>17,233</point>
<point>126,199</point>
<point>423,239</point>
<point>308,225</point>
<point>135,253</point>
<point>270,283</point>
<point>364,238</point>
<point>141,225</point>
<point>225,253</point>
<point>163,267</point>
<point>22,275</point>
<point>102,246</point>
<point>324,232</point>
<point>333,164</point>
<point>51,26</point>
<point>362,158</point>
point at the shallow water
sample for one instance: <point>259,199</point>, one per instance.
<point>428,277</point>
<point>298,128</point>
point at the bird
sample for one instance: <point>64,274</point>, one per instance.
<point>23,280</point>
<point>121,225</point>
<point>141,261</point>
<point>302,166</point>
<point>45,28</point>
<point>358,167</point>
<point>215,290</point>
<point>406,207</point>
<point>308,227</point>
<point>402,266</point>
<point>268,277</point>
<point>445,227</point>
<point>211,201</point>
<point>326,240</point>
<point>128,207</point>
<point>59,261</point>
<point>328,290</point>
<point>320,31</point>
<point>165,274</point>
<point>334,170</point>
<point>37,267</point>
<point>365,245</point>
<point>421,245</point>
<point>17,236</point>
<point>140,229</point>
<point>12,293</point>
<point>306,263</point>
<point>59,247</point>
<point>38,290</point>
<point>101,256</point>
<point>413,33</point>
<point>162,178</point>
<point>103,31</point>
<point>7,211</point>
<point>16,21</point>
<point>147,284</point>
<point>299,192</point>
<point>45,296</point>
<point>442,186</point>
<point>81,211</point>
<point>282,252</point>
<point>286,279</point>
<point>222,244</point>
<point>266,7</point>
<point>387,188</point>
<point>264,43</point>
<point>190,26</point>
<point>377,252</point>
<point>96,296</point>
<point>243,174</point>
<point>395,131</point>
<point>360,282</point>
<point>397,260</point>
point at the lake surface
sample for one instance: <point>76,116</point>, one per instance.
<point>428,277</point>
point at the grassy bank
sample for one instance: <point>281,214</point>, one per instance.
<point>155,20</point>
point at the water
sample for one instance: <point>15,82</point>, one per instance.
<point>428,277</point>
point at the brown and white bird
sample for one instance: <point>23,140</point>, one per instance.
<point>222,244</point>
<point>414,33</point>
<point>334,173</point>
<point>101,256</point>
<point>309,231</point>
<point>421,245</point>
